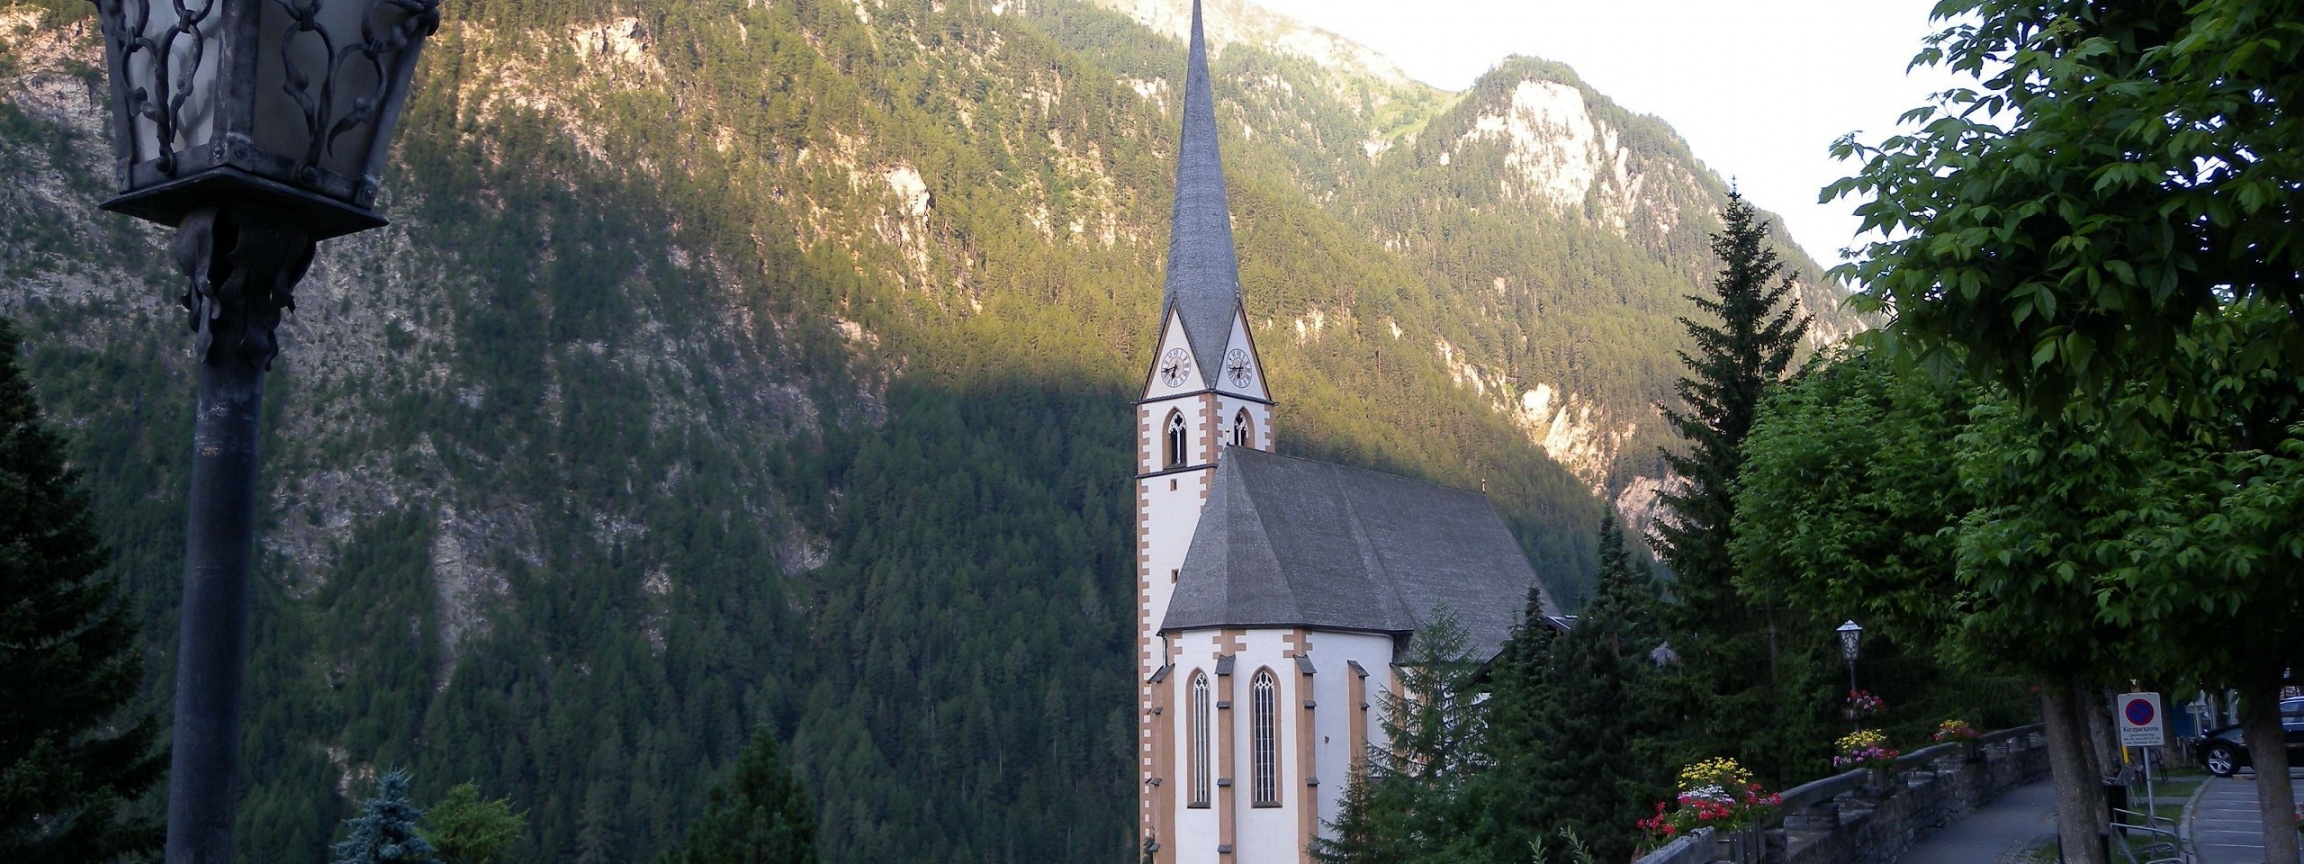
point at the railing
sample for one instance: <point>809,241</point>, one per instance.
<point>1848,782</point>
<point>1863,817</point>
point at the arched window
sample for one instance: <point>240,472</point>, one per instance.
<point>1200,739</point>
<point>1243,430</point>
<point>1266,726</point>
<point>1175,439</point>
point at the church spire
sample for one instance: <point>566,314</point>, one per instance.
<point>1203,283</point>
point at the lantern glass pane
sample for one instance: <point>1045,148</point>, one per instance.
<point>175,61</point>
<point>319,90</point>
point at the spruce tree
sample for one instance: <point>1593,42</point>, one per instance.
<point>1504,794</point>
<point>467,830</point>
<point>385,830</point>
<point>759,815</point>
<point>70,756</point>
<point>1730,647</point>
<point>1606,712</point>
<point>1369,821</point>
<point>1412,802</point>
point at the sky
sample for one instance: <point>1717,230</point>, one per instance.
<point>1760,88</point>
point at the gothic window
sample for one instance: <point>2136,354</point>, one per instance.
<point>1175,439</point>
<point>1200,740</point>
<point>1266,729</point>
<point>1243,432</point>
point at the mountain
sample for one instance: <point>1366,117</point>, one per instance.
<point>738,365</point>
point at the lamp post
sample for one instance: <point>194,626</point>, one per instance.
<point>255,128</point>
<point>1850,634</point>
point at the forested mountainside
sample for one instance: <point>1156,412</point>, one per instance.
<point>735,364</point>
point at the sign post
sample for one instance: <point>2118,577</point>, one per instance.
<point>2141,725</point>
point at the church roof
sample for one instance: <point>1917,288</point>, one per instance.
<point>1203,283</point>
<point>1287,542</point>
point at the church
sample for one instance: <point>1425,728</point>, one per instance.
<point>1272,592</point>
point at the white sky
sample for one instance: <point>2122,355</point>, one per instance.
<point>1760,88</point>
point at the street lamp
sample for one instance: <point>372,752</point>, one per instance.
<point>256,128</point>
<point>1850,634</point>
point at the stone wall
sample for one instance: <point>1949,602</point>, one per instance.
<point>1861,817</point>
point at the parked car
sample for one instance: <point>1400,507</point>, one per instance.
<point>2223,750</point>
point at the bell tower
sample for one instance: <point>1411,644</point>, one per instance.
<point>1204,390</point>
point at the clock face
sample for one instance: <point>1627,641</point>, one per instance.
<point>1236,366</point>
<point>1175,367</point>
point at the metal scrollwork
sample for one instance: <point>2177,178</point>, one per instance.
<point>321,122</point>
<point>129,39</point>
<point>242,266</point>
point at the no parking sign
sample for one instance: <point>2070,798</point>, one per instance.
<point>2140,724</point>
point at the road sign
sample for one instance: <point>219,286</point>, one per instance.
<point>2140,724</point>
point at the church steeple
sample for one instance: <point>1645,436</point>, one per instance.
<point>1204,395</point>
<point>1203,285</point>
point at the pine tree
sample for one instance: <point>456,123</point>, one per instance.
<point>1367,823</point>
<point>1505,795</point>
<point>385,830</point>
<point>467,830</point>
<point>1579,723</point>
<point>759,815</point>
<point>1411,804</point>
<point>69,756</point>
<point>1606,716</point>
<point>1730,647</point>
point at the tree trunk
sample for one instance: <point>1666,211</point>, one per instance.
<point>2268,752</point>
<point>2103,742</point>
<point>2079,798</point>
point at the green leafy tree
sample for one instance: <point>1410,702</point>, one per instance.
<point>71,755</point>
<point>2105,226</point>
<point>759,815</point>
<point>2119,173</point>
<point>385,831</point>
<point>1730,644</point>
<point>1850,505</point>
<point>2163,555</point>
<point>465,829</point>
<point>1849,495</point>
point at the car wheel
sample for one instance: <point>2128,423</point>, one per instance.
<point>2220,760</point>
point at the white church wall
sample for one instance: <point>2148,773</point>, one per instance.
<point>1200,830</point>
<point>1332,654</point>
<point>1168,507</point>
<point>1276,834</point>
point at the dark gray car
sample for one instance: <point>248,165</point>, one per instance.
<point>2223,750</point>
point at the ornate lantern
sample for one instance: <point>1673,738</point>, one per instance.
<point>257,128</point>
<point>1849,634</point>
<point>283,102</point>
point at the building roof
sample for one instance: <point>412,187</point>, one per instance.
<point>1203,281</point>
<point>1287,542</point>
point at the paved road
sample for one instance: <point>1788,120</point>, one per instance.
<point>2008,824</point>
<point>2225,825</point>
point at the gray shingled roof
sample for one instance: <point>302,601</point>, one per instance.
<point>1203,283</point>
<point>1287,542</point>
